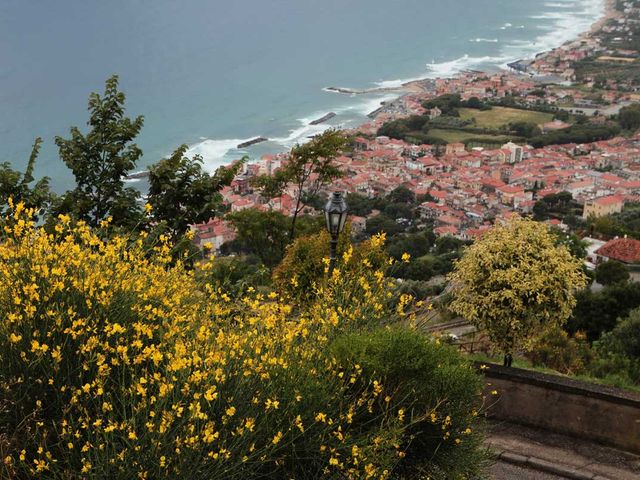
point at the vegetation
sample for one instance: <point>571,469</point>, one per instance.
<point>99,161</point>
<point>499,117</point>
<point>611,272</point>
<point>629,117</point>
<point>308,168</point>
<point>19,187</point>
<point>181,193</point>
<point>115,362</point>
<point>516,283</point>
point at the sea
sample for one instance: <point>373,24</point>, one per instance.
<point>215,73</point>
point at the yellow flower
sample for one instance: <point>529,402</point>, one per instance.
<point>148,208</point>
<point>406,258</point>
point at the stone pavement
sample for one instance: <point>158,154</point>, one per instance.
<point>527,453</point>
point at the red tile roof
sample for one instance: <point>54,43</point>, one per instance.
<point>625,250</point>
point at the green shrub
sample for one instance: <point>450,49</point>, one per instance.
<point>440,398</point>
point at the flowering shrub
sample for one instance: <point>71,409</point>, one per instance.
<point>116,363</point>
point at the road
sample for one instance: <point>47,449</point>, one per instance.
<point>506,471</point>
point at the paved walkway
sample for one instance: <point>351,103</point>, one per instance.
<point>526,453</point>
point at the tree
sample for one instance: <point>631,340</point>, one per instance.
<point>611,272</point>
<point>629,117</point>
<point>598,312</point>
<point>382,223</point>
<point>181,193</point>
<point>516,283</point>
<point>309,167</point>
<point>101,159</point>
<point>17,186</point>
<point>401,194</point>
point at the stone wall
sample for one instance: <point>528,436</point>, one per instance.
<point>562,405</point>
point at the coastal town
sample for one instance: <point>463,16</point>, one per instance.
<point>468,185</point>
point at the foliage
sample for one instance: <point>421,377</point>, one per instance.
<point>611,272</point>
<point>619,350</point>
<point>586,133</point>
<point>516,283</point>
<point>431,377</point>
<point>236,275</point>
<point>576,246</point>
<point>554,205</point>
<point>116,363</point>
<point>383,224</point>
<point>629,117</point>
<point>181,193</point>
<point>266,233</point>
<point>401,194</point>
<point>100,160</point>
<point>414,244</point>
<point>16,187</point>
<point>598,312</point>
<point>558,350</point>
<point>303,267</point>
<point>308,168</point>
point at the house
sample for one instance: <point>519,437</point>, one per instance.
<point>603,206</point>
<point>625,250</point>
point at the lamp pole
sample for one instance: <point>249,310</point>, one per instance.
<point>336,216</point>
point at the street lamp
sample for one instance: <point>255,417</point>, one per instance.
<point>335,213</point>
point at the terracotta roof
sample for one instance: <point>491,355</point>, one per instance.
<point>625,250</point>
<point>609,200</point>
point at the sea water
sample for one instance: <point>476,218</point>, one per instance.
<point>214,73</point>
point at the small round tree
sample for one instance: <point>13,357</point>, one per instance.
<point>611,272</point>
<point>516,283</point>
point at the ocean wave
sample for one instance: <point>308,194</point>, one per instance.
<point>484,40</point>
<point>216,152</point>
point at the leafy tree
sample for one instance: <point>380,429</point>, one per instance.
<point>309,167</point>
<point>598,312</point>
<point>181,193</point>
<point>17,186</point>
<point>576,246</point>
<point>526,129</point>
<point>611,272</point>
<point>629,117</point>
<point>448,243</point>
<point>401,194</point>
<point>359,204</point>
<point>382,223</point>
<point>101,159</point>
<point>264,234</point>
<point>619,350</point>
<point>415,244</point>
<point>516,283</point>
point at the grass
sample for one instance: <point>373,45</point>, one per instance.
<point>453,136</point>
<point>499,116</point>
<point>523,363</point>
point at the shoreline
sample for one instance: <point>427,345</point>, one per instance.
<point>417,85</point>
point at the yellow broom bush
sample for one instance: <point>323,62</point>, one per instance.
<point>116,363</point>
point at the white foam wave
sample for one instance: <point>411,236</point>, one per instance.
<point>560,27</point>
<point>484,40</point>
<point>302,133</point>
<point>216,152</point>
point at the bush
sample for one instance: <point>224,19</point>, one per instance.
<point>441,398</point>
<point>115,363</point>
<point>611,272</point>
<point>561,352</point>
<point>597,313</point>
<point>619,350</point>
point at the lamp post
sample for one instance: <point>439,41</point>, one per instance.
<point>335,213</point>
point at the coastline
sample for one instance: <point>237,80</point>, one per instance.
<point>222,152</point>
<point>609,13</point>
